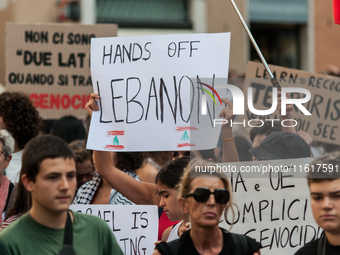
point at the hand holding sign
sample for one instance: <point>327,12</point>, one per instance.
<point>91,105</point>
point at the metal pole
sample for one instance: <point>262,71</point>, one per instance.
<point>264,62</point>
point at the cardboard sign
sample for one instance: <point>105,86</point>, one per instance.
<point>134,226</point>
<point>272,204</point>
<point>324,105</point>
<point>51,63</point>
<point>153,89</point>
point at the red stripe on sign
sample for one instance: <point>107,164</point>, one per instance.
<point>180,129</point>
<point>115,132</point>
<point>114,147</point>
<point>185,145</point>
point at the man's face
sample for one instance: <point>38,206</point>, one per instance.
<point>325,201</point>
<point>54,186</point>
<point>3,161</point>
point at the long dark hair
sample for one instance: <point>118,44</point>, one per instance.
<point>171,174</point>
<point>22,202</point>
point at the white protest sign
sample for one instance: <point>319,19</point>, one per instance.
<point>134,226</point>
<point>273,205</point>
<point>152,93</point>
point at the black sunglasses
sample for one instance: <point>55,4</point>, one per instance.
<point>202,195</point>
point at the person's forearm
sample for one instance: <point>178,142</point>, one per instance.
<point>229,148</point>
<point>137,192</point>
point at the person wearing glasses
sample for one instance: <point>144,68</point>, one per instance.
<point>84,166</point>
<point>204,199</point>
<point>6,186</point>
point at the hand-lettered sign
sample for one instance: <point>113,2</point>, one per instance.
<point>324,105</point>
<point>153,89</point>
<point>271,202</point>
<point>134,226</point>
<point>51,63</point>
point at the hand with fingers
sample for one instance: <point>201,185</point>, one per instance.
<point>227,114</point>
<point>91,105</point>
<point>184,227</point>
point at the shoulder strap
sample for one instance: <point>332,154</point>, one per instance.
<point>68,236</point>
<point>241,244</point>
<point>321,245</point>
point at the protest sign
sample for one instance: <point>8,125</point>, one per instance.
<point>272,204</point>
<point>51,63</point>
<point>324,105</point>
<point>134,226</point>
<point>153,88</point>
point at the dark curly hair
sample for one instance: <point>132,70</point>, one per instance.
<point>20,116</point>
<point>129,161</point>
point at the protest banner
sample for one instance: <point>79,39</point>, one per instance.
<point>271,203</point>
<point>152,90</point>
<point>324,105</point>
<point>51,63</point>
<point>134,226</point>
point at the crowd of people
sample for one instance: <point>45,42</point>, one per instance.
<point>45,167</point>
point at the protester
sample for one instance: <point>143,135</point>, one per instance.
<point>49,175</point>
<point>163,193</point>
<point>6,187</point>
<point>69,128</point>
<point>84,165</point>
<point>205,211</point>
<point>100,191</point>
<point>324,187</point>
<point>281,145</point>
<point>21,205</point>
<point>19,117</point>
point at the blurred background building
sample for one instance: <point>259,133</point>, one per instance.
<point>299,34</point>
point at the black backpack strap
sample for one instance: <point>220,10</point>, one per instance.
<point>241,244</point>
<point>68,238</point>
<point>321,245</point>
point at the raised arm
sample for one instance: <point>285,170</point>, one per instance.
<point>229,148</point>
<point>137,192</point>
<point>288,124</point>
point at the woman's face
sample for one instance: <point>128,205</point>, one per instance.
<point>206,214</point>
<point>169,202</point>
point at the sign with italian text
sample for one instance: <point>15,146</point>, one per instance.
<point>271,203</point>
<point>151,90</point>
<point>51,63</point>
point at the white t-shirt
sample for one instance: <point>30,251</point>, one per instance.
<point>13,170</point>
<point>174,232</point>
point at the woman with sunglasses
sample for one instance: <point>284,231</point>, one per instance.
<point>205,198</point>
